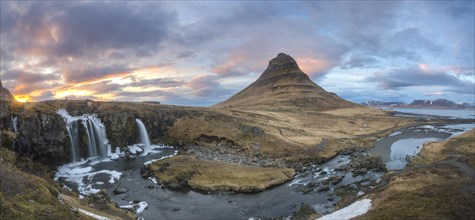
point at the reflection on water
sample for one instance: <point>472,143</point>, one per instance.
<point>397,148</point>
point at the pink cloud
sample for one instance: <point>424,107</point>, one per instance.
<point>315,67</point>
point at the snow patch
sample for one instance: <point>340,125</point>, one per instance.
<point>90,214</point>
<point>153,180</point>
<point>356,209</point>
<point>135,207</point>
<point>161,158</point>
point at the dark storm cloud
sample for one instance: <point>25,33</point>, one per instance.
<point>398,78</point>
<point>77,29</point>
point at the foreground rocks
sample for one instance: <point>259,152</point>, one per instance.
<point>187,172</point>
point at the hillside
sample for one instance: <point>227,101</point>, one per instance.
<point>284,86</point>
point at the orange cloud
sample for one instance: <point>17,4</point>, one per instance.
<point>313,66</point>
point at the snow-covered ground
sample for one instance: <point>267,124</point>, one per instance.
<point>356,209</point>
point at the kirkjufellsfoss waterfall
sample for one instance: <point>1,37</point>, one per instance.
<point>73,133</point>
<point>97,142</point>
<point>144,139</point>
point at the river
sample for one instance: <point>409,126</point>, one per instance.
<point>317,186</point>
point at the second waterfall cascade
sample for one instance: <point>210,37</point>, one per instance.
<point>144,139</point>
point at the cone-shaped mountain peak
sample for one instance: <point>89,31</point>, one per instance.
<point>284,86</point>
<point>281,63</point>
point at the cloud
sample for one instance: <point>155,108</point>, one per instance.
<point>206,45</point>
<point>82,28</point>
<point>24,82</point>
<point>357,61</point>
<point>47,95</point>
<point>421,76</point>
<point>206,86</point>
<point>91,73</point>
<point>315,67</point>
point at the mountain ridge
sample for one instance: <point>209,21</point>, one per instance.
<point>437,103</point>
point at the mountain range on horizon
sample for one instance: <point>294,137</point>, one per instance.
<point>436,103</point>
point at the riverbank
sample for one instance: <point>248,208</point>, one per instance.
<point>27,192</point>
<point>187,172</point>
<point>438,184</point>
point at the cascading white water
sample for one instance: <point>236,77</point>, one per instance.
<point>91,141</point>
<point>15,122</point>
<point>73,133</point>
<point>144,139</point>
<point>97,142</point>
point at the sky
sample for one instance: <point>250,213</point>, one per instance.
<point>200,53</point>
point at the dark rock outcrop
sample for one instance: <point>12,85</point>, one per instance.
<point>42,136</point>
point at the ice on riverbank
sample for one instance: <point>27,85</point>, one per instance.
<point>356,209</point>
<point>84,180</point>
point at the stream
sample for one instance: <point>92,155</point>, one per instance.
<point>318,186</point>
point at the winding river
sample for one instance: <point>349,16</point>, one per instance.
<point>153,202</point>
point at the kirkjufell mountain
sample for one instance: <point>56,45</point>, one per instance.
<point>284,86</point>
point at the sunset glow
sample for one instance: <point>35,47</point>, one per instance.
<point>178,55</point>
<point>22,98</point>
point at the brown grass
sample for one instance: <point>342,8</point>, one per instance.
<point>218,176</point>
<point>462,145</point>
<point>24,195</point>
<point>431,190</point>
<point>433,193</point>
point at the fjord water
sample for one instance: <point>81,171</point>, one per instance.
<point>453,113</point>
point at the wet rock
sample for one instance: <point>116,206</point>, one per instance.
<point>120,190</point>
<point>361,164</point>
<point>323,188</point>
<point>341,169</point>
<point>333,180</point>
<point>323,172</point>
<point>145,172</point>
<point>305,190</point>
<point>311,184</point>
